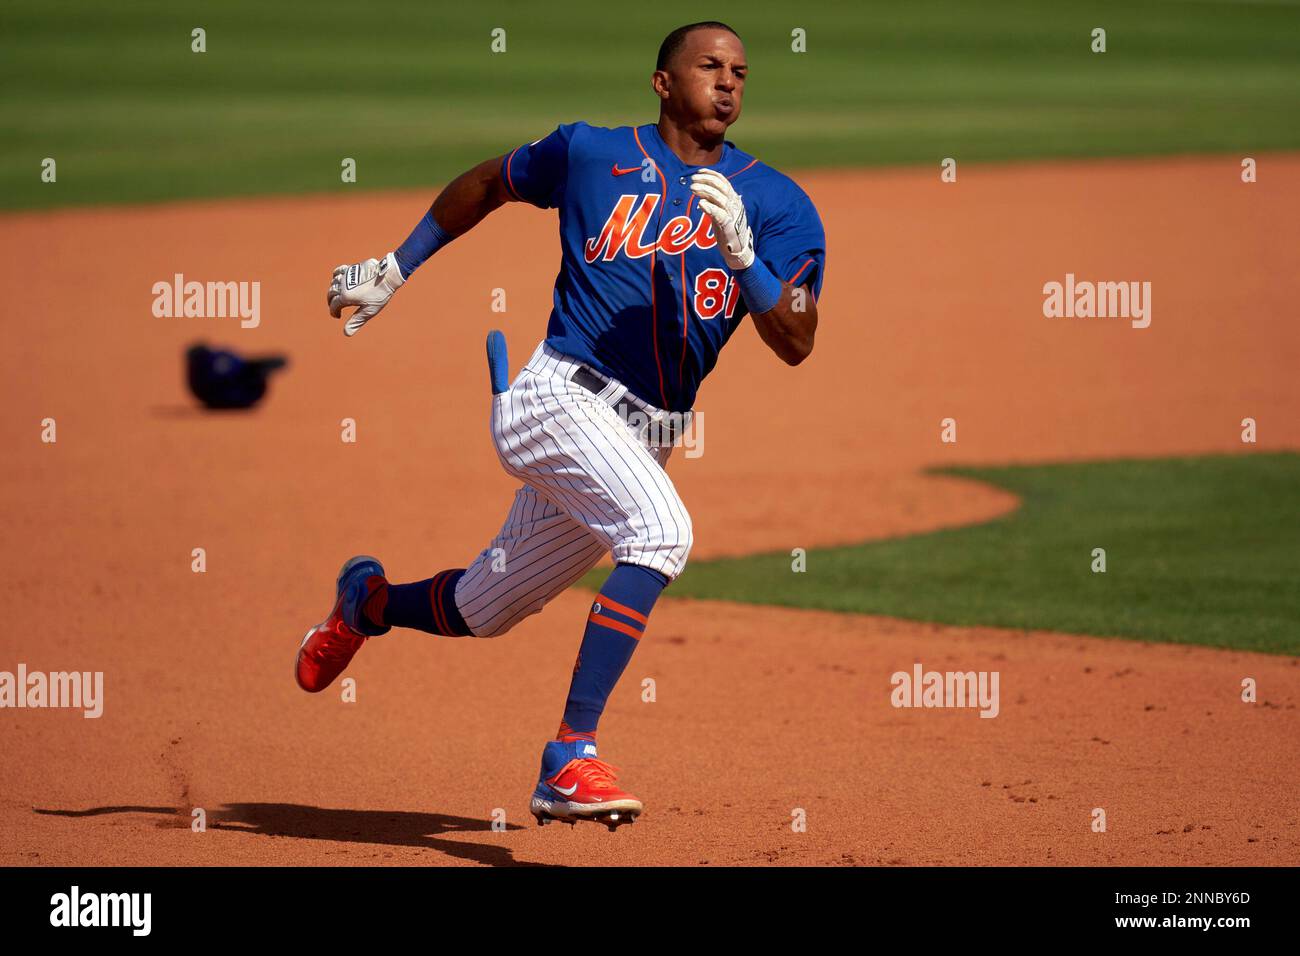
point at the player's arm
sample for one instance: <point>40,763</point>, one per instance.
<point>468,198</point>
<point>789,326</point>
<point>461,205</point>
<point>785,315</point>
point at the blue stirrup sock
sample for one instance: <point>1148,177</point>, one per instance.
<point>761,289</point>
<point>425,239</point>
<point>617,620</point>
<point>428,605</point>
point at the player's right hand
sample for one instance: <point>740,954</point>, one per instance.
<point>721,201</point>
<point>367,285</point>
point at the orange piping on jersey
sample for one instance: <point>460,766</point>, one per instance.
<point>509,183</point>
<point>654,314</point>
<point>686,321</point>
<point>686,315</point>
<point>796,276</point>
<point>739,171</point>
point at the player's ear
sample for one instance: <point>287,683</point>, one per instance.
<point>660,83</point>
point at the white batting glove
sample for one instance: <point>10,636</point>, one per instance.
<point>722,203</point>
<point>367,285</point>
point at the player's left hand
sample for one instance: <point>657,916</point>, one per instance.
<point>722,203</point>
<point>368,285</point>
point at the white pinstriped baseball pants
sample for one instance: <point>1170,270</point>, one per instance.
<point>591,486</point>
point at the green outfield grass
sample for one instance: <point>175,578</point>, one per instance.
<point>1198,551</point>
<point>411,91</point>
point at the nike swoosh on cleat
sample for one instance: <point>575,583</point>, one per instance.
<point>615,171</point>
<point>568,793</point>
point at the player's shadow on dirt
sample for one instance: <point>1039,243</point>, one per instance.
<point>374,827</point>
<point>197,411</point>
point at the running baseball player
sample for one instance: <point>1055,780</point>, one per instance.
<point>670,235</point>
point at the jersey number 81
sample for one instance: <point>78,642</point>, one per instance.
<point>714,290</point>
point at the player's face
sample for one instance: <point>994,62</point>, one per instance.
<point>706,80</point>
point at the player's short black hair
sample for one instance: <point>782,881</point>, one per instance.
<point>674,41</point>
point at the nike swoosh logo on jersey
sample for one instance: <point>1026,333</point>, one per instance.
<point>567,792</point>
<point>615,171</point>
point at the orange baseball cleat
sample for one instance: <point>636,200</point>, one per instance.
<point>575,786</point>
<point>329,647</point>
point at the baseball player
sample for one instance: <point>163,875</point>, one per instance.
<point>670,235</point>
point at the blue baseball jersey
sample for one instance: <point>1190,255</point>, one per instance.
<point>644,294</point>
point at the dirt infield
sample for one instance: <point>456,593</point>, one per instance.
<point>932,309</point>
